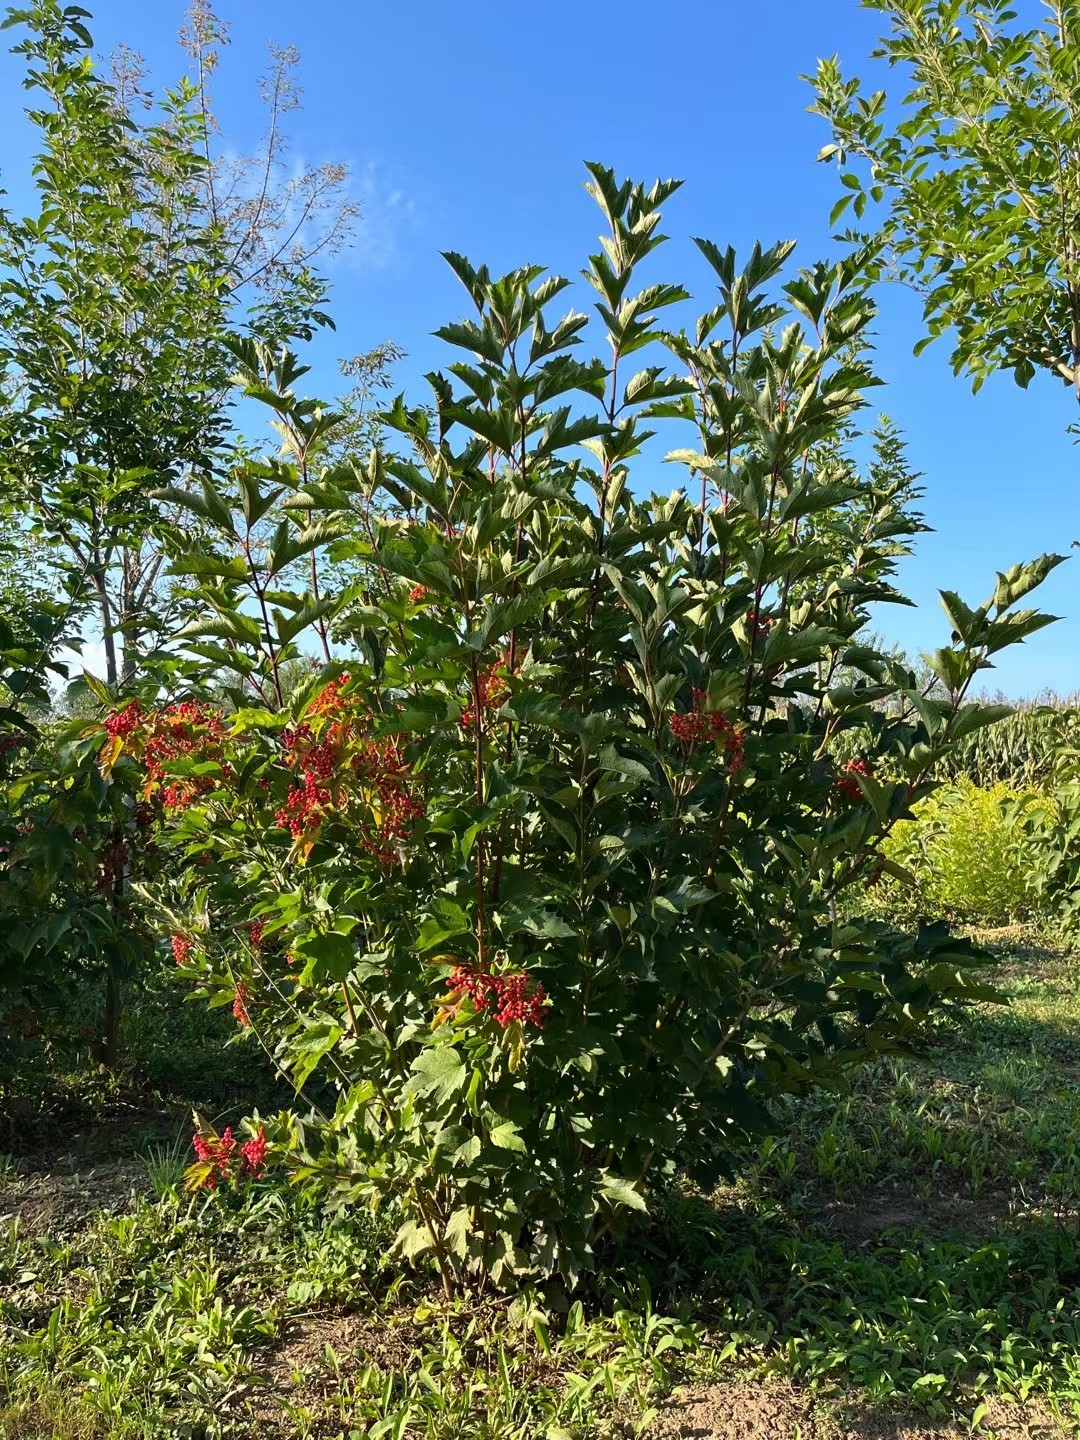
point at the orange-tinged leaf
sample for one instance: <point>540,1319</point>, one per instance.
<point>109,754</point>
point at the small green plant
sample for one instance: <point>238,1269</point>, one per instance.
<point>165,1166</point>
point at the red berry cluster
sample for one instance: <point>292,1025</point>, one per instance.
<point>254,1153</point>
<point>121,723</point>
<point>382,769</point>
<point>219,1152</point>
<point>13,740</point>
<point>493,688</point>
<point>186,731</point>
<point>418,593</point>
<point>112,867</point>
<point>698,725</point>
<point>305,807</point>
<point>239,1004</point>
<point>847,786</point>
<point>507,998</point>
<point>338,763</point>
<point>256,934</point>
<point>330,699</point>
<point>181,948</point>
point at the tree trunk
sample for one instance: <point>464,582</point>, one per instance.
<point>110,1037</point>
<point>110,1024</point>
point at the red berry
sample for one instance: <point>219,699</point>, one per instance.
<point>240,1000</point>
<point>254,1153</point>
<point>847,786</point>
<point>122,722</point>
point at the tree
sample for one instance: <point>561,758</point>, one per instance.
<point>118,300</point>
<point>276,219</point>
<point>113,309</point>
<point>979,168</point>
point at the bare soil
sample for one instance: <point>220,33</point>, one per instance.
<point>909,1207</point>
<point>777,1410</point>
<point>45,1202</point>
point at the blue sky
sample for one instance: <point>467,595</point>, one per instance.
<point>465,127</point>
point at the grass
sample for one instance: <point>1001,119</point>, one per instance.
<point>214,1317</point>
<point>912,1243</point>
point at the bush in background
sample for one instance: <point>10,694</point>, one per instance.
<point>965,857</point>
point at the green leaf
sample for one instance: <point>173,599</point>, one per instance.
<point>620,1192</point>
<point>438,1070</point>
<point>506,1136</point>
<point>446,920</point>
<point>315,1041</point>
<point>330,955</point>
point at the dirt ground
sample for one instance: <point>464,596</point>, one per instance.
<point>47,1202</point>
<point>777,1410</point>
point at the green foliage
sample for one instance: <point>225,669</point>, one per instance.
<point>962,858</point>
<point>68,838</point>
<point>117,298</point>
<point>1018,751</point>
<point>1048,828</point>
<point>544,886</point>
<point>978,168</point>
<point>43,812</point>
<point>909,1243</point>
<point>113,301</point>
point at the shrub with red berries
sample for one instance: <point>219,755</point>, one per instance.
<point>699,725</point>
<point>181,749</point>
<point>486,696</point>
<point>547,880</point>
<point>344,772</point>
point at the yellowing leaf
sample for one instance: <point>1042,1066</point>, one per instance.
<point>196,1176</point>
<point>514,1040</point>
<point>109,754</point>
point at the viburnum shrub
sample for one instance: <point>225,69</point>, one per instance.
<point>541,878</point>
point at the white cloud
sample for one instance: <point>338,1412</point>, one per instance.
<point>388,214</point>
